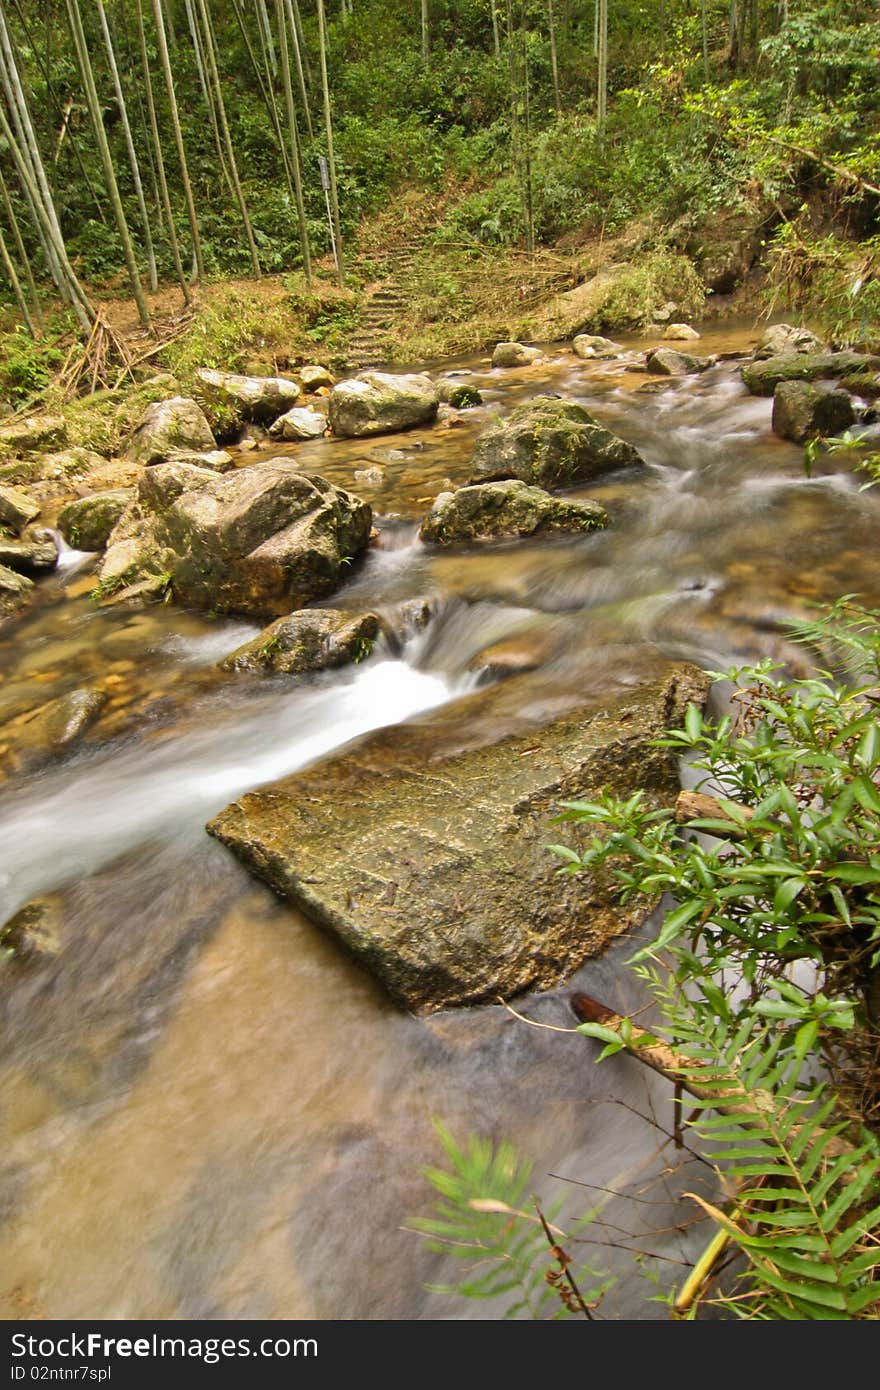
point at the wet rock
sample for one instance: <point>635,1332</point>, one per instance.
<point>33,432</point>
<point>369,477</point>
<point>315,639</point>
<point>169,426</point>
<point>16,508</point>
<point>35,931</point>
<point>258,399</point>
<point>14,589</point>
<point>513,656</point>
<point>762,378</point>
<point>313,377</point>
<point>669,362</point>
<point>493,511</point>
<point>380,403</point>
<point>57,726</point>
<point>785,337</point>
<point>515,355</point>
<point>218,460</point>
<point>50,468</point>
<point>680,332</point>
<point>593,345</point>
<point>30,557</point>
<point>459,394</point>
<point>299,423</point>
<point>551,444</point>
<point>262,540</point>
<point>87,523</point>
<point>425,851</point>
<point>802,411</point>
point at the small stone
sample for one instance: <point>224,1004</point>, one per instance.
<point>785,337</point>
<point>681,332</point>
<point>589,345</point>
<point>802,411</point>
<point>313,377</point>
<point>35,931</point>
<point>30,557</point>
<point>299,423</point>
<point>668,362</point>
<point>501,510</point>
<point>315,639</point>
<point>515,355</point>
<point>460,395</point>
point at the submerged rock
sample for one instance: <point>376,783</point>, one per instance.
<point>380,403</point>
<point>669,362</point>
<point>57,726</point>
<point>262,540</point>
<point>87,523</point>
<point>16,508</point>
<point>315,639</point>
<point>802,411</point>
<point>762,377</point>
<point>167,427</point>
<point>490,511</point>
<point>260,399</point>
<point>35,931</point>
<point>785,337</point>
<point>515,355</point>
<point>299,423</point>
<point>550,443</point>
<point>426,854</point>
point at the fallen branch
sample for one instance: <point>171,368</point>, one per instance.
<point>840,170</point>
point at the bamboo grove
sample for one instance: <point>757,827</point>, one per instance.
<point>148,141</point>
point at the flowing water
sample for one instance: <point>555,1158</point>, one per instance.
<point>206,1109</point>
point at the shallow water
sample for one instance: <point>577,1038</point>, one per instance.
<point>206,1109</point>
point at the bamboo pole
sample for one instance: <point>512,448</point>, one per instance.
<point>214,74</point>
<point>295,158</point>
<point>300,73</point>
<point>16,286</point>
<point>554,64</point>
<point>22,253</point>
<point>165,61</point>
<point>328,126</point>
<point>160,160</point>
<point>207,92</point>
<point>85,66</point>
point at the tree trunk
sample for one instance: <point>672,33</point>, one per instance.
<point>129,145</point>
<point>300,73</point>
<point>425,42</point>
<point>22,252</point>
<point>208,94</point>
<point>178,139</point>
<point>16,287</point>
<point>554,64</point>
<point>602,77</point>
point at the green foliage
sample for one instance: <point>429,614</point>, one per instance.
<point>829,280</point>
<point>642,288</point>
<point>26,364</point>
<point>479,1218</point>
<point>766,964</point>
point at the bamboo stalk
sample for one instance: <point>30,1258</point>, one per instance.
<point>160,160</point>
<point>22,253</point>
<point>165,61</point>
<point>300,73</point>
<point>328,126</point>
<point>295,158</point>
<point>214,73</point>
<point>16,286</point>
<point>85,66</point>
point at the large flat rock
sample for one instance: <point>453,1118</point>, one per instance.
<point>424,847</point>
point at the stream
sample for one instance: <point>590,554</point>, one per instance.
<point>206,1109</point>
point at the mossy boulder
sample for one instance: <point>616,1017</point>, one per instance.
<point>593,345</point>
<point>262,540</point>
<point>459,394</point>
<point>32,433</point>
<point>382,403</point>
<point>502,510</point>
<point>167,427</point>
<point>315,639</point>
<point>35,932</point>
<point>552,444</point>
<point>88,522</point>
<point>762,377</point>
<point>258,399</point>
<point>802,411</point>
<point>423,849</point>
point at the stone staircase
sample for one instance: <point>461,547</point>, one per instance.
<point>369,342</point>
